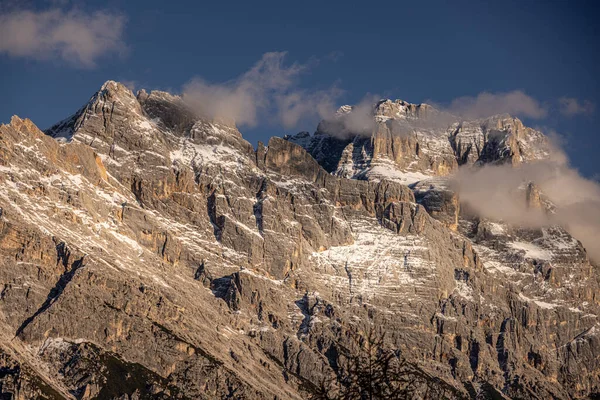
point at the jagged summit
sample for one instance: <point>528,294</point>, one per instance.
<point>410,142</point>
<point>393,109</point>
<point>112,97</point>
<point>397,140</point>
<point>145,110</point>
<point>400,109</point>
<point>21,124</point>
<point>114,86</point>
<point>115,118</point>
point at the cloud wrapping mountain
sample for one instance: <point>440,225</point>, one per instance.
<point>516,103</point>
<point>493,192</point>
<point>268,88</point>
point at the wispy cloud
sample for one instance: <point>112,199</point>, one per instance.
<point>130,84</point>
<point>351,121</point>
<point>269,88</point>
<point>297,105</point>
<point>516,103</point>
<point>335,55</point>
<point>570,106</point>
<point>496,192</point>
<point>77,37</point>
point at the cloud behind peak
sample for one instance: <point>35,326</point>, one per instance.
<point>269,91</point>
<point>516,103</point>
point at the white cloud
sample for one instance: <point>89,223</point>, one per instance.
<point>268,88</point>
<point>358,120</point>
<point>493,192</point>
<point>570,106</point>
<point>130,84</point>
<point>299,104</point>
<point>74,36</point>
<point>486,104</point>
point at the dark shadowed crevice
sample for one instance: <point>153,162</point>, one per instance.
<point>59,286</point>
<point>228,288</point>
<point>258,207</point>
<point>216,221</point>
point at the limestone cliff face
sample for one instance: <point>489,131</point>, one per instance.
<point>409,142</point>
<point>146,253</point>
<point>499,139</point>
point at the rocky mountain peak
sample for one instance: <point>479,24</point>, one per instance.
<point>115,88</point>
<point>112,98</point>
<point>400,109</point>
<point>498,139</point>
<point>343,110</point>
<point>115,95</point>
<point>23,125</point>
<point>393,109</point>
<point>115,120</point>
<point>411,142</point>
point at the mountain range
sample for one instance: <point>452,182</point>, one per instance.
<point>149,253</point>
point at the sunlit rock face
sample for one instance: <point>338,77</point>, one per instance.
<point>408,143</point>
<point>147,253</point>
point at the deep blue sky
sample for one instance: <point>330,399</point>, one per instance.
<point>414,50</point>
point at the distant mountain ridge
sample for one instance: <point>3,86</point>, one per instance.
<point>411,142</point>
